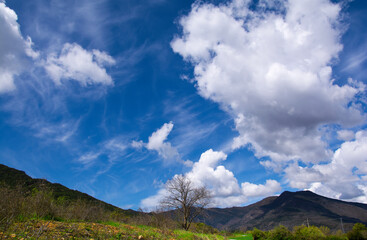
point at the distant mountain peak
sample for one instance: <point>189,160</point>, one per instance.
<point>289,209</point>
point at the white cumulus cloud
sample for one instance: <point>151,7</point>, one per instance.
<point>224,187</point>
<point>272,71</point>
<point>223,184</point>
<point>208,172</point>
<point>15,51</point>
<point>344,177</point>
<point>158,142</point>
<point>345,135</point>
<point>79,64</point>
<point>260,190</point>
<point>157,139</point>
<point>152,203</point>
<point>270,67</point>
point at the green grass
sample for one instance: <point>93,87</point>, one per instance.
<point>182,234</point>
<point>243,237</point>
<point>47,229</point>
<point>113,224</point>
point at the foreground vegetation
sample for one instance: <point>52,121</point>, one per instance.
<point>49,229</point>
<point>36,213</point>
<point>359,232</point>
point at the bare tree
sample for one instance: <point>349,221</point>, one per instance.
<point>187,199</point>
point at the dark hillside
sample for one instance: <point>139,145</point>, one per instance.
<point>289,209</point>
<point>15,178</point>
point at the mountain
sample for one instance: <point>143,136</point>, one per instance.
<point>289,209</point>
<point>16,178</point>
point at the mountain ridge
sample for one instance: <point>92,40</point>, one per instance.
<point>17,178</point>
<point>289,209</point>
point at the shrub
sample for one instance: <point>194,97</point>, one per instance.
<point>203,228</point>
<point>81,210</point>
<point>325,230</point>
<point>280,233</point>
<point>359,232</point>
<point>335,237</point>
<point>308,233</point>
<point>11,202</point>
<point>40,204</point>
<point>258,234</point>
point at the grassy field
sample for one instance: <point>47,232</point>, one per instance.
<point>42,229</point>
<point>242,237</point>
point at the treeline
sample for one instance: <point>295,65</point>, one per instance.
<point>359,232</point>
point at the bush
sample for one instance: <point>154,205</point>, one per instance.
<point>359,232</point>
<point>308,233</point>
<point>154,219</point>
<point>40,204</point>
<point>258,234</point>
<point>325,230</point>
<point>335,237</point>
<point>11,202</point>
<point>280,233</point>
<point>203,228</point>
<point>81,210</point>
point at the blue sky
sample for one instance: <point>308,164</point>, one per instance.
<point>249,98</point>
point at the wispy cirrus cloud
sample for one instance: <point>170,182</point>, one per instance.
<point>194,123</point>
<point>33,100</point>
<point>71,62</point>
<point>114,149</point>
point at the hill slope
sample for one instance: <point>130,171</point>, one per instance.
<point>16,178</point>
<point>289,209</point>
